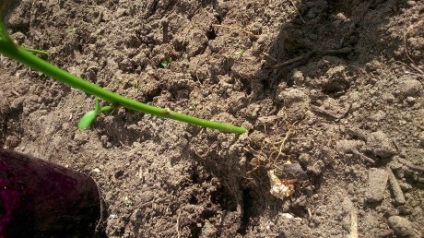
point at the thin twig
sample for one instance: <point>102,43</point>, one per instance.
<point>235,28</point>
<point>353,223</point>
<point>294,60</point>
<point>396,190</point>
<point>412,67</point>
<point>349,107</point>
<point>319,52</point>
<point>405,35</point>
<point>324,112</point>
<point>356,152</point>
<point>270,57</point>
<point>411,166</point>
<point>297,10</point>
<point>178,225</point>
<point>319,110</point>
<point>341,51</point>
<point>281,143</point>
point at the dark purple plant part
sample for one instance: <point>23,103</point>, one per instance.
<point>41,199</point>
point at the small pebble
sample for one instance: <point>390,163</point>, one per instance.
<point>402,227</point>
<point>380,144</point>
<point>17,103</point>
<point>81,136</point>
<point>372,66</point>
<point>380,115</point>
<point>410,88</point>
<point>377,182</point>
<point>405,186</point>
<point>286,215</point>
<point>418,211</point>
<point>347,146</point>
<point>298,77</point>
<point>411,3</point>
<point>340,16</point>
<point>410,100</point>
<point>19,37</point>
<point>316,168</point>
<point>292,96</point>
<point>405,210</point>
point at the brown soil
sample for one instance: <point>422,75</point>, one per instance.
<point>331,86</point>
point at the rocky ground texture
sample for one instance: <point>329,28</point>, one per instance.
<point>331,92</point>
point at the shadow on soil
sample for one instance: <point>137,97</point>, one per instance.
<point>349,31</point>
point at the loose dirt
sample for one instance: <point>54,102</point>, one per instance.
<point>331,92</point>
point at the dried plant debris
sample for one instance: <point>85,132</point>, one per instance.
<point>395,187</point>
<point>352,147</point>
<point>283,180</point>
<point>377,144</point>
<point>280,188</point>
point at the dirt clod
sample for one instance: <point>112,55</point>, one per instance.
<point>396,189</point>
<point>402,227</point>
<point>377,182</point>
<point>380,144</point>
<point>410,88</point>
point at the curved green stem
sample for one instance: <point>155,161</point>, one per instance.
<point>20,54</point>
<point>106,108</point>
<point>43,52</point>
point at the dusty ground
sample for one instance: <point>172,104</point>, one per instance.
<point>334,87</point>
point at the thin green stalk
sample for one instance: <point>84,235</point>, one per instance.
<point>43,52</point>
<point>20,54</point>
<point>106,108</point>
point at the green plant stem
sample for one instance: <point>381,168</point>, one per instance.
<point>43,52</point>
<point>25,57</point>
<point>106,108</point>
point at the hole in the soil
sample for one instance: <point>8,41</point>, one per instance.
<point>152,8</point>
<point>335,89</point>
<point>171,4</point>
<point>266,85</point>
<point>206,214</point>
<point>219,18</point>
<point>195,230</point>
<point>249,155</point>
<point>247,211</point>
<point>211,34</point>
<point>193,199</point>
<point>299,211</point>
<point>413,179</point>
<point>10,127</point>
<point>225,200</point>
<point>245,85</point>
<point>152,94</point>
<point>24,28</point>
<point>316,180</point>
<point>194,177</point>
<point>290,83</point>
<point>119,174</point>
